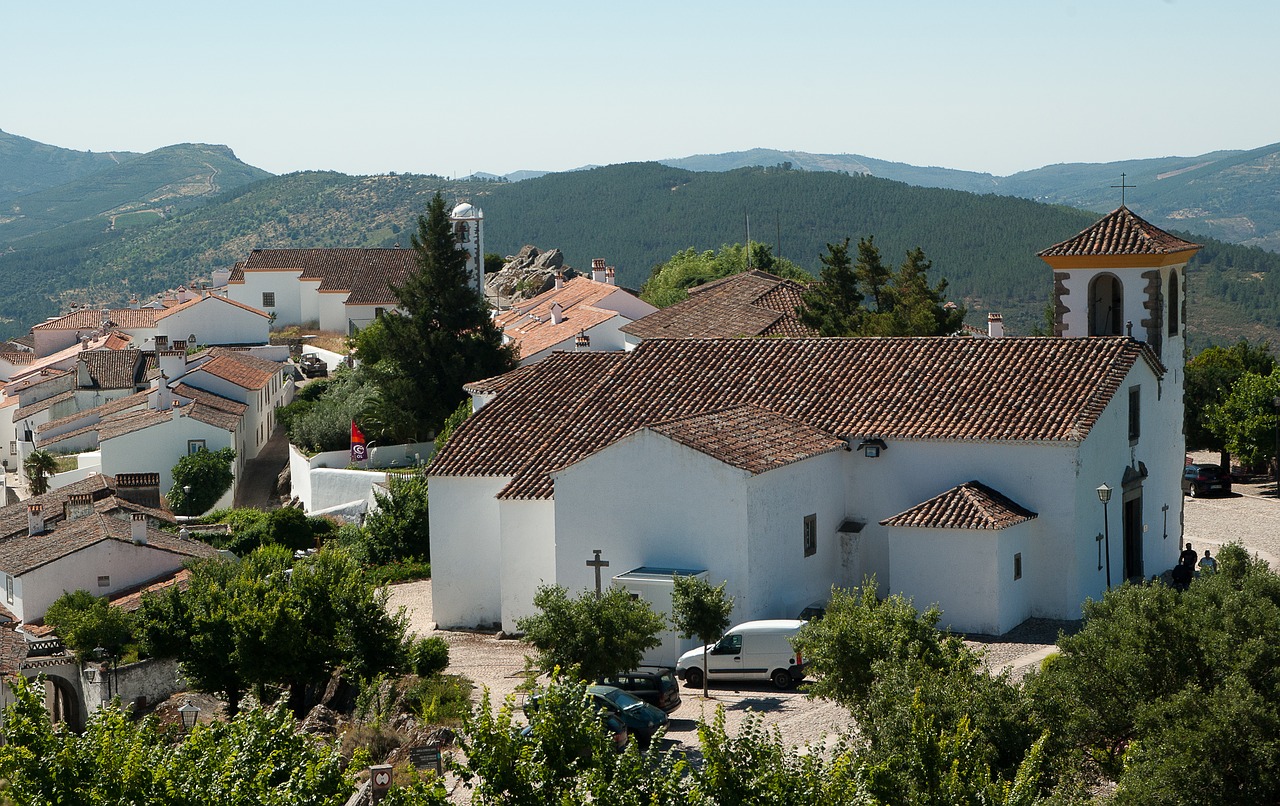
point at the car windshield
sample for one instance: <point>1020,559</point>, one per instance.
<point>621,699</point>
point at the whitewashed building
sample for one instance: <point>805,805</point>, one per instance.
<point>958,471</point>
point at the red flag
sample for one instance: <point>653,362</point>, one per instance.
<point>359,453</point>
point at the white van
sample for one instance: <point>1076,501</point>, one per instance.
<point>753,650</point>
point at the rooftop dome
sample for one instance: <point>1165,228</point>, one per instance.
<point>466,210</point>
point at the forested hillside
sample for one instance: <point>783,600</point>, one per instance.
<point>634,216</point>
<point>27,166</point>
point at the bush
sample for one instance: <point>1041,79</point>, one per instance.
<point>429,656</point>
<point>409,570</point>
<point>444,699</point>
<point>208,475</point>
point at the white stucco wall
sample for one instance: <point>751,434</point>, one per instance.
<point>284,284</point>
<point>158,448</point>
<point>465,552</point>
<point>627,304</point>
<point>331,310</point>
<point>214,321</point>
<point>528,555</point>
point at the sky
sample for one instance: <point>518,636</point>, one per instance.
<point>499,86</point>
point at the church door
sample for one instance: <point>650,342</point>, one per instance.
<point>1133,537</point>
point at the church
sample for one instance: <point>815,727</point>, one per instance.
<point>998,478</point>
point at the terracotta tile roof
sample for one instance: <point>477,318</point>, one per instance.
<point>210,400</point>
<point>18,357</point>
<point>41,405</point>
<point>336,269</point>
<point>115,425</point>
<point>1120,232</point>
<point>491,386</point>
<point>89,319</point>
<point>34,379</point>
<point>134,400</point>
<point>114,369</point>
<point>972,505</point>
<point>240,368</point>
<point>1013,389</point>
<point>13,651</point>
<point>7,616</point>
<point>162,314</point>
<point>529,325</point>
<point>753,303</point>
<point>130,599</point>
<point>750,438</point>
<point>25,553</point>
<point>13,518</point>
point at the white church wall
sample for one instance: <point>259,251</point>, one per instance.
<point>782,579</point>
<point>465,550</point>
<point>282,285</point>
<point>627,304</point>
<point>331,310</point>
<point>213,321</point>
<point>528,556</point>
<point>648,501</point>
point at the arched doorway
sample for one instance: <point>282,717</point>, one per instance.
<point>62,701</point>
<point>1106,306</point>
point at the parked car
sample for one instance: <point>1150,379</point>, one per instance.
<point>655,685</point>
<point>813,611</point>
<point>612,725</point>
<point>1198,480</point>
<point>753,650</point>
<point>313,366</point>
<point>641,719</point>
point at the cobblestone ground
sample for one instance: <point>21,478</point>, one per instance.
<point>1251,515</point>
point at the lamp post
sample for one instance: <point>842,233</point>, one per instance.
<point>189,713</point>
<point>1275,401</point>
<point>103,654</point>
<point>186,500</point>
<point>1104,495</point>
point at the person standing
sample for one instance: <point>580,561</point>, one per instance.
<point>1207,564</point>
<point>1188,557</point>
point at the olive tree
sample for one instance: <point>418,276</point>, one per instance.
<point>591,635</point>
<point>700,610</point>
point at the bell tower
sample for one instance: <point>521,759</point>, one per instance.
<point>468,232</point>
<point>1123,276</point>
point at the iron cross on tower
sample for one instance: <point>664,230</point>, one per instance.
<point>597,563</point>
<point>1122,187</point>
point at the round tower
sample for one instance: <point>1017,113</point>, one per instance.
<point>468,231</point>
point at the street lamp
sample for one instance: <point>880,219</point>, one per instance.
<point>1275,401</point>
<point>186,499</point>
<point>189,713</point>
<point>103,654</point>
<point>1104,495</point>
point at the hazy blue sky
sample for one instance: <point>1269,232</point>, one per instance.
<point>377,86</point>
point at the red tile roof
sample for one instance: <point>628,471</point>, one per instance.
<point>972,505</point>
<point>13,518</point>
<point>25,553</point>
<point>114,369</point>
<point>529,325</point>
<point>753,303</point>
<point>750,438</point>
<point>240,368</point>
<point>135,400</point>
<point>90,319</point>
<point>13,651</point>
<point>371,271</point>
<point>1120,232</point>
<point>1013,389</point>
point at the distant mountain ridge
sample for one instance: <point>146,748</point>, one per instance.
<point>27,166</point>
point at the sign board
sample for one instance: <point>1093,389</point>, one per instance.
<point>426,756</point>
<point>381,776</point>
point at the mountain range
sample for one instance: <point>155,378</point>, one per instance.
<point>95,228</point>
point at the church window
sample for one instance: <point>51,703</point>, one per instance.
<point>1106,306</point>
<point>1135,413</point>
<point>462,232</point>
<point>1017,566</point>
<point>8,588</point>
<point>810,535</point>
<point>1173,303</point>
<point>268,299</point>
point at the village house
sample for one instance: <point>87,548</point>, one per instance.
<point>582,313</point>
<point>957,471</point>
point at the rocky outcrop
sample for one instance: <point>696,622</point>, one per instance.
<point>525,275</point>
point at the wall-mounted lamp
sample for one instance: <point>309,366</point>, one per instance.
<point>871,448</point>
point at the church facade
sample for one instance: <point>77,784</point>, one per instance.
<point>962,472</point>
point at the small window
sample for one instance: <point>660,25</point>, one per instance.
<point>268,299</point>
<point>13,447</point>
<point>194,446</point>
<point>104,582</point>
<point>1135,413</point>
<point>8,588</point>
<point>1174,309</point>
<point>1017,566</point>
<point>810,535</point>
<point>378,312</point>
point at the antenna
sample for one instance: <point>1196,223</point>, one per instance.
<point>1122,187</point>
<point>748,215</point>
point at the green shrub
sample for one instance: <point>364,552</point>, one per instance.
<point>429,656</point>
<point>409,570</point>
<point>444,699</point>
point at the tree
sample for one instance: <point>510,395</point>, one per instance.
<point>400,526</point>
<point>833,305</point>
<point>1245,420</point>
<point>591,636</point>
<point>39,466</point>
<point>85,622</point>
<point>670,281</point>
<point>1210,377</point>
<point>920,309</point>
<point>419,360</point>
<point>272,622</point>
<point>700,610</point>
<point>208,475</point>
<point>873,275</point>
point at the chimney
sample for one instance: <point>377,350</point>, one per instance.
<point>559,279</point>
<point>134,304</point>
<point>557,313</point>
<point>138,530</point>
<point>995,325</point>
<point>597,269</point>
<point>78,505</point>
<point>583,342</point>
<point>164,395</point>
<point>35,519</point>
<point>609,276</point>
<point>173,363</point>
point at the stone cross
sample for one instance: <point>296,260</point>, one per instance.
<point>597,563</point>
